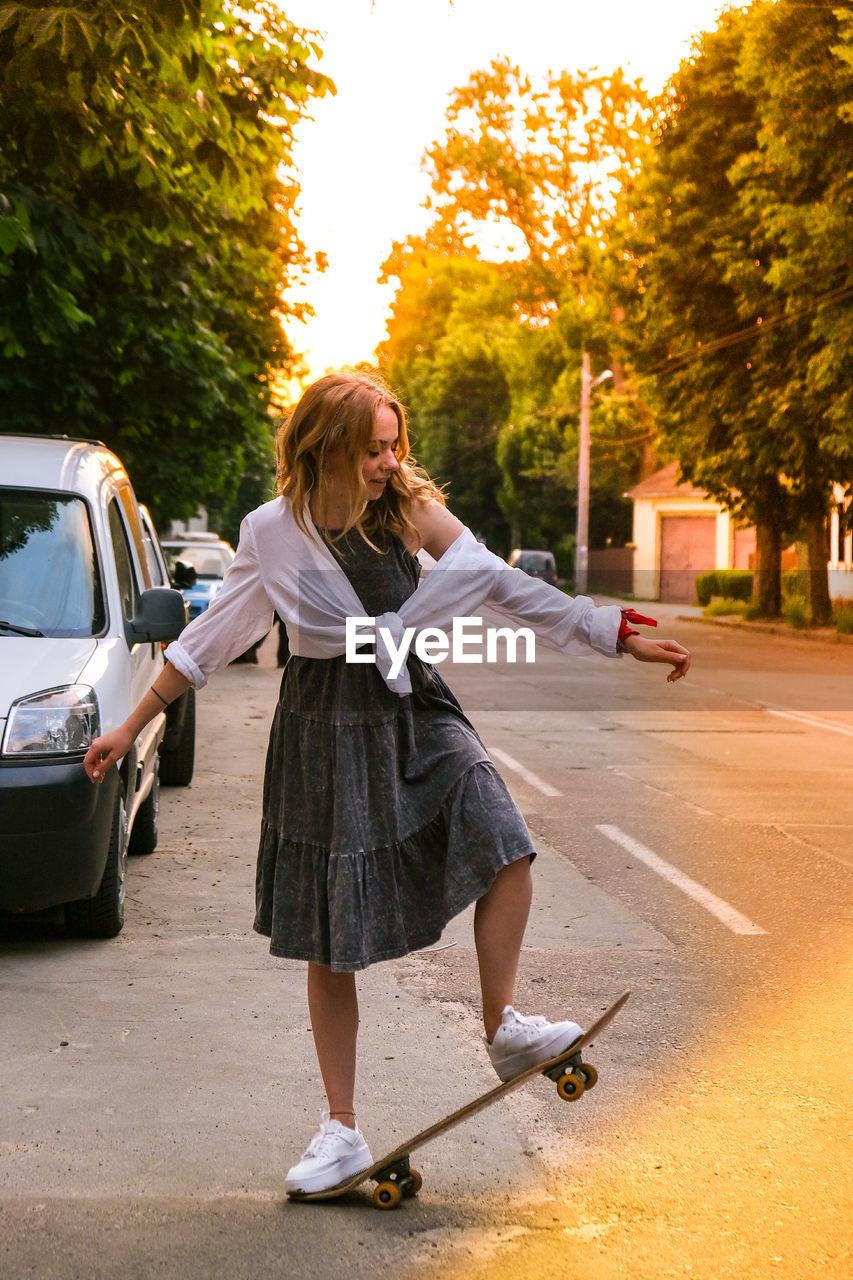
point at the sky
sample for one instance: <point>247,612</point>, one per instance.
<point>395,64</point>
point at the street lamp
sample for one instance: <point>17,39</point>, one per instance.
<point>588,384</point>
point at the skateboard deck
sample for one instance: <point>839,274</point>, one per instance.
<point>393,1174</point>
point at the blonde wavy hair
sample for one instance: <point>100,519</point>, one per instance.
<point>338,412</point>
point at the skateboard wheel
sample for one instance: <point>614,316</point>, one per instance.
<point>387,1195</point>
<point>413,1184</point>
<point>590,1075</point>
<point>570,1087</point>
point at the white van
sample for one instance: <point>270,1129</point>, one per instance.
<point>81,629</point>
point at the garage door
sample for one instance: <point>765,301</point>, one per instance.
<point>688,547</point>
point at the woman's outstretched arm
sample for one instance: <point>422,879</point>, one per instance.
<point>439,528</point>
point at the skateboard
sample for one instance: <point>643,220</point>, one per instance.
<point>395,1178</point>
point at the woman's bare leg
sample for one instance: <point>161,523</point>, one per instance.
<point>333,1005</point>
<point>500,919</point>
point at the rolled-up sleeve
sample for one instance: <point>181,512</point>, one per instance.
<point>239,616</point>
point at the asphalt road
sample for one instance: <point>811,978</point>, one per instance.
<point>695,846</point>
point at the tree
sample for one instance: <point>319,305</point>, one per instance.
<point>536,165</point>
<point>796,186</point>
<point>436,291</point>
<point>520,182</point>
<point>702,288</point>
<point>736,225</point>
<point>464,404</point>
<point>147,236</point>
<point>447,356</point>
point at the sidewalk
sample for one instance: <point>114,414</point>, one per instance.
<point>667,613</point>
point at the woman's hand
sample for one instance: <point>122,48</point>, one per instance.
<point>106,751</point>
<point>112,747</point>
<point>659,651</point>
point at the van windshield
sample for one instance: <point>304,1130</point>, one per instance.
<point>50,584</point>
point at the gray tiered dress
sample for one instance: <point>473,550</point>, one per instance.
<point>383,816</point>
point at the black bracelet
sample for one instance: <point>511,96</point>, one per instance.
<point>159,695</point>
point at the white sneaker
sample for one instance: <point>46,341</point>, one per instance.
<point>521,1042</point>
<point>333,1155</point>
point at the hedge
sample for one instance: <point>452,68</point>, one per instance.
<point>733,584</point>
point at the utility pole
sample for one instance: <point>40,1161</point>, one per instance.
<point>582,540</point>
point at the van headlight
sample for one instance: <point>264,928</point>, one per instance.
<point>55,722</point>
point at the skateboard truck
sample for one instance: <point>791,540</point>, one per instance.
<point>572,1077</point>
<point>395,1182</point>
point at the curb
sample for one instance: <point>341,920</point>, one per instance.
<point>822,635</point>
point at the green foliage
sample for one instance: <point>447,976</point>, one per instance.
<point>532,167</point>
<point>463,405</point>
<point>534,492</point>
<point>718,290</point>
<point>795,609</point>
<point>437,296</point>
<point>725,608</point>
<point>796,612</point>
<point>255,485</point>
<point>738,237</point>
<point>796,186</point>
<point>843,615</point>
<point>147,238</point>
<point>689,233</point>
<point>794,582</point>
<point>732,584</point>
<point>448,355</point>
<point>536,164</point>
<point>525,381</point>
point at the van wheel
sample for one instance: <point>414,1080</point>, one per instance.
<point>177,760</point>
<point>103,915</point>
<point>146,824</point>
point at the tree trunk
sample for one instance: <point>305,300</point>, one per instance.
<point>767,584</point>
<point>817,579</point>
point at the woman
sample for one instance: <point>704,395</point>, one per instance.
<point>383,816</point>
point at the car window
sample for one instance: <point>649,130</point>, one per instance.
<point>50,580</point>
<point>209,561</point>
<point>128,590</point>
<point>133,525</point>
<point>156,569</point>
<point>155,572</point>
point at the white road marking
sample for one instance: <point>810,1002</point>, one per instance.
<point>724,913</point>
<point>530,778</point>
<point>815,721</point>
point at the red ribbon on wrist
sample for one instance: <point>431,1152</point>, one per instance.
<point>629,616</point>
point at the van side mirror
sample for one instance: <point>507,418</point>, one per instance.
<point>161,616</point>
<point>183,575</point>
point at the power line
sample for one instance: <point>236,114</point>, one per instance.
<point>673,363</point>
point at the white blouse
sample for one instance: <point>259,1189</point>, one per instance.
<point>279,568</point>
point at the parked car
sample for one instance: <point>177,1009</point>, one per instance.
<point>82,623</point>
<point>538,564</point>
<point>177,750</point>
<point>209,556</point>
